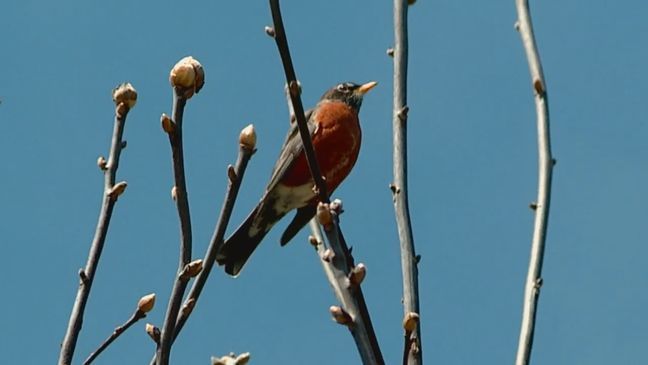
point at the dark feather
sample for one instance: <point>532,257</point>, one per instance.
<point>302,217</point>
<point>236,250</point>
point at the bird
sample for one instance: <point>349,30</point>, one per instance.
<point>334,127</point>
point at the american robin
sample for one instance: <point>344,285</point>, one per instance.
<point>335,131</point>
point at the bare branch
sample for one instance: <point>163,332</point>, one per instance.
<point>339,268</point>
<point>545,169</point>
<point>413,353</point>
<point>340,271</point>
<point>295,100</point>
<point>187,78</point>
<point>125,97</point>
<point>246,150</point>
<point>144,306</point>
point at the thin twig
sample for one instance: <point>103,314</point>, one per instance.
<point>124,96</point>
<point>235,176</point>
<point>412,351</point>
<point>545,169</point>
<point>245,153</point>
<point>182,203</point>
<point>338,270</point>
<point>137,315</point>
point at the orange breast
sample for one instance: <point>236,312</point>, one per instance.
<point>336,142</point>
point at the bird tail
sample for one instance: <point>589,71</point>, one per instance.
<point>238,248</point>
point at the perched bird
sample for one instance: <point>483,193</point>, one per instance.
<point>335,131</point>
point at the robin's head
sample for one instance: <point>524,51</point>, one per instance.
<point>349,93</point>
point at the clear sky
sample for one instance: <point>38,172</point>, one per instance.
<point>473,171</point>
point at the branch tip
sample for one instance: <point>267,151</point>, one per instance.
<point>124,96</point>
<point>231,359</point>
<point>390,52</point>
<point>533,206</point>
<point>153,332</point>
<point>187,77</point>
<point>146,303</point>
<point>248,138</point>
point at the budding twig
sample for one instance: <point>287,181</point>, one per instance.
<point>124,97</point>
<point>247,147</point>
<point>412,346</point>
<point>187,77</point>
<point>144,306</point>
<point>545,171</point>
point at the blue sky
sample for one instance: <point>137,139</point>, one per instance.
<point>473,168</point>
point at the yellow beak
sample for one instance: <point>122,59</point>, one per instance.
<point>364,88</point>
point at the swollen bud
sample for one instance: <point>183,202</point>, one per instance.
<point>167,124</point>
<point>324,216</point>
<point>358,274</point>
<point>153,332</point>
<point>410,321</point>
<point>187,76</point>
<point>194,267</point>
<point>340,315</point>
<point>126,94</point>
<point>117,190</point>
<point>101,162</point>
<point>146,303</point>
<point>247,138</point>
<point>231,359</point>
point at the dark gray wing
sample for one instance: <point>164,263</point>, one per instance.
<point>292,148</point>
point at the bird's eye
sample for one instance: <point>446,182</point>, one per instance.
<point>342,88</point>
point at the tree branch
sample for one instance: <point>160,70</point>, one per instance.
<point>413,353</point>
<point>235,175</point>
<point>295,99</point>
<point>339,269</point>
<point>187,78</point>
<point>345,278</point>
<point>125,97</point>
<point>144,306</point>
<point>545,168</point>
